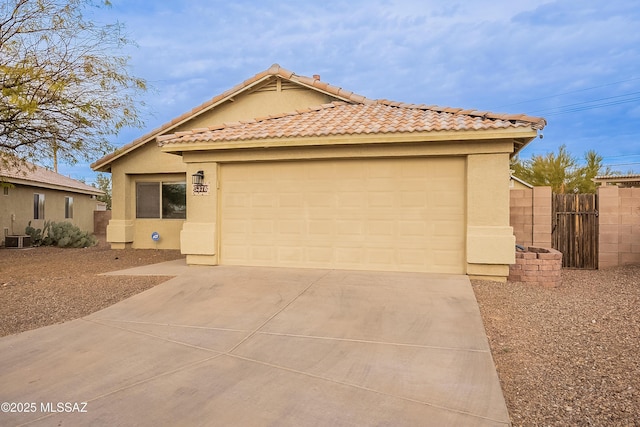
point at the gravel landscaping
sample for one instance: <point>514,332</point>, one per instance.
<point>46,285</point>
<point>565,356</point>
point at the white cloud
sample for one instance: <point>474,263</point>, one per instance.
<point>486,54</point>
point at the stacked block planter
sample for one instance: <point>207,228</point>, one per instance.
<point>538,266</point>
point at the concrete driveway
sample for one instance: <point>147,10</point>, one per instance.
<point>241,346</point>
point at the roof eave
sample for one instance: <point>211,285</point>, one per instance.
<point>518,136</point>
<point>520,143</point>
<point>38,184</point>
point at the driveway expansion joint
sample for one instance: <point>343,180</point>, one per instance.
<point>362,341</point>
<point>313,282</point>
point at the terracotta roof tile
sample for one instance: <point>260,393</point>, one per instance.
<point>341,118</point>
<point>38,176</point>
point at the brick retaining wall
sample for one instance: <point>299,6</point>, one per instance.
<point>538,266</point>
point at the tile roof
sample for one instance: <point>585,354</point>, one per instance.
<point>38,176</point>
<point>341,118</point>
<point>274,71</point>
<point>311,82</point>
<point>617,177</point>
<point>629,180</point>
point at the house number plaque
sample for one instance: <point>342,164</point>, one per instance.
<point>200,189</point>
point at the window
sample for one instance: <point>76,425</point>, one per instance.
<point>38,206</point>
<point>174,200</point>
<point>5,190</point>
<point>148,200</point>
<point>68,207</point>
<point>167,200</point>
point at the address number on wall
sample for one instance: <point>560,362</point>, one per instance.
<point>200,189</point>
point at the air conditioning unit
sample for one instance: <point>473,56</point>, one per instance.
<point>17,241</point>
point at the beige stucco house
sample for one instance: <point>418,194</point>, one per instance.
<point>286,170</point>
<point>36,195</point>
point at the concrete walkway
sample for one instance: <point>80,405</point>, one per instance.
<point>242,346</point>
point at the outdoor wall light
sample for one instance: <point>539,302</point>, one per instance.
<point>198,178</point>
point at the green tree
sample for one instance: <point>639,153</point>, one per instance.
<point>561,171</point>
<point>103,182</point>
<point>592,168</point>
<point>64,84</point>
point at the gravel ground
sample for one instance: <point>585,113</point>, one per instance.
<point>565,356</point>
<point>47,285</point>
<point>568,356</point>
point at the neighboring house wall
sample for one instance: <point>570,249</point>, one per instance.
<point>619,224</point>
<point>17,209</point>
<point>515,184</point>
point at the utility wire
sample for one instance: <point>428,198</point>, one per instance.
<point>592,101</point>
<point>591,107</point>
<point>621,155</point>
<point>570,92</point>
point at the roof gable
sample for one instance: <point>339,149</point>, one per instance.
<point>260,82</point>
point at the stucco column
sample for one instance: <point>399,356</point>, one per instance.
<point>120,230</point>
<point>198,238</point>
<point>490,239</point>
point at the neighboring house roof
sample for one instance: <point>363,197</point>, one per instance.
<point>37,176</point>
<point>340,118</point>
<point>442,118</point>
<point>526,184</point>
<point>622,180</point>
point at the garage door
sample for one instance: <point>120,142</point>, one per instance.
<point>382,214</point>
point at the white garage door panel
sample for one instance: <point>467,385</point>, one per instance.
<point>405,214</point>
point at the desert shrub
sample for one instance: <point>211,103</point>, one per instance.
<point>37,235</point>
<point>61,234</point>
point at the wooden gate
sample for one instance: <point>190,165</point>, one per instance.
<point>575,229</point>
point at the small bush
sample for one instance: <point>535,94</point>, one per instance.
<point>61,234</point>
<point>37,235</point>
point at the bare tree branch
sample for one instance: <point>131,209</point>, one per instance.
<point>64,84</point>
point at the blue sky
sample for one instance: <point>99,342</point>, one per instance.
<point>574,62</point>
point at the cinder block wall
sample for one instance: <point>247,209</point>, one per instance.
<point>100,221</point>
<point>619,223</point>
<point>542,210</point>
<point>521,215</point>
<point>530,216</point>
